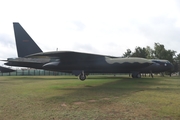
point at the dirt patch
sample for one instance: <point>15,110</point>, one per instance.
<point>105,98</point>
<point>79,103</point>
<point>63,105</point>
<point>92,100</point>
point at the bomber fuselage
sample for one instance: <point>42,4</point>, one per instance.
<point>71,61</point>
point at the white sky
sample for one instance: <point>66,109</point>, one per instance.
<point>106,27</point>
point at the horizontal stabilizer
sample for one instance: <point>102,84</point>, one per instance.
<point>4,60</point>
<point>5,70</point>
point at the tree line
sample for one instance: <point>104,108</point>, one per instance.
<point>158,52</point>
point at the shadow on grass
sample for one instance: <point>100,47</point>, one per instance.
<point>114,87</point>
<point>72,77</point>
<point>90,77</point>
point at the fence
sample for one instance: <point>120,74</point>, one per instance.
<point>39,72</point>
<point>33,72</point>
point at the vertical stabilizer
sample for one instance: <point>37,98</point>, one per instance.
<point>24,43</point>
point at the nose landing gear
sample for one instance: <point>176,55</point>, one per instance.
<point>82,76</point>
<point>136,75</point>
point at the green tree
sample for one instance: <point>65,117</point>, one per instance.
<point>170,55</point>
<point>150,53</point>
<point>127,53</point>
<point>161,53</point>
<point>139,52</point>
<point>177,63</point>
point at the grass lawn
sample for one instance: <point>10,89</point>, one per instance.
<point>98,98</point>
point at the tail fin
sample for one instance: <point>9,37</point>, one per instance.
<point>24,43</point>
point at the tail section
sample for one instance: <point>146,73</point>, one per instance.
<point>24,43</point>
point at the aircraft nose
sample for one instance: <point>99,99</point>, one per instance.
<point>170,66</point>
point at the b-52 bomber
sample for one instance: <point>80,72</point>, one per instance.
<point>78,63</point>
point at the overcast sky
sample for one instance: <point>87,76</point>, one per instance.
<point>108,27</point>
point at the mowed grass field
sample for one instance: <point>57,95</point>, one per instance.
<point>96,98</point>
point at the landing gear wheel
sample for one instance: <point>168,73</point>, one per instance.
<point>136,75</point>
<point>82,77</point>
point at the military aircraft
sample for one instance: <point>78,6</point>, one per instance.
<point>77,63</point>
